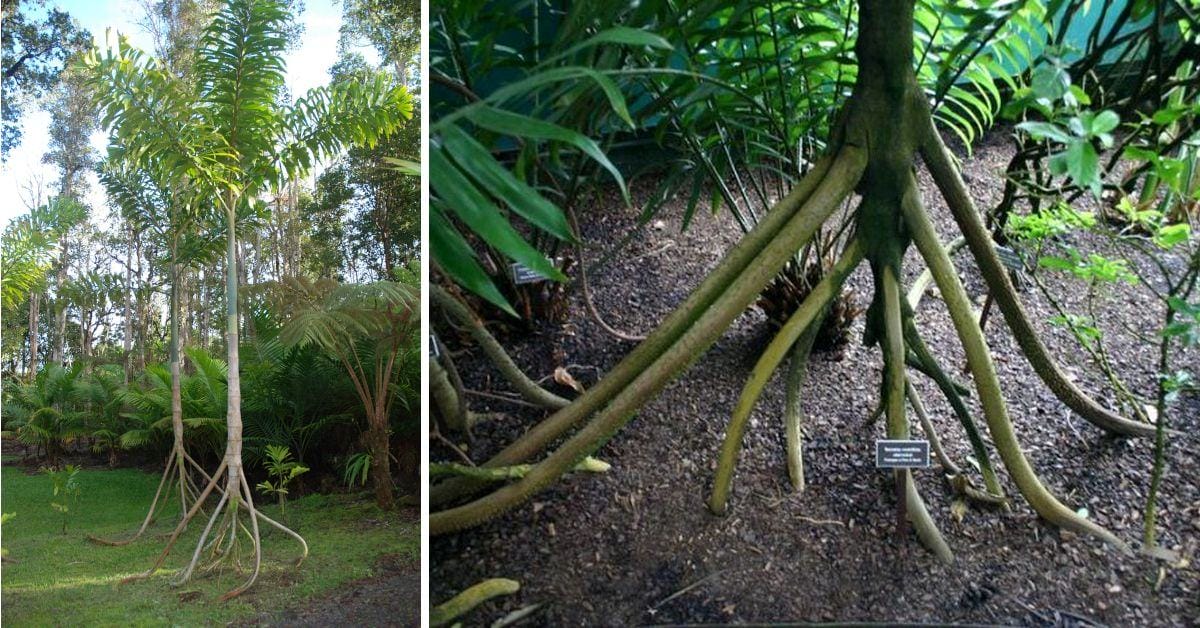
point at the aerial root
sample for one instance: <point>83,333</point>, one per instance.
<point>941,167</point>
<point>804,318</point>
<point>446,398</point>
<point>935,443</point>
<point>700,327</point>
<point>175,472</point>
<point>183,523</point>
<point>980,363</point>
<point>585,287</point>
<point>917,291</point>
<point>793,413</point>
<point>924,367</point>
<point>731,267</point>
<point>934,371</point>
<point>256,539</point>
<point>958,481</point>
<point>200,545</point>
<point>221,546</point>
<point>495,353</point>
<point>924,525</point>
<point>895,392</point>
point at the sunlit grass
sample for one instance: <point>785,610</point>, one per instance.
<point>51,578</point>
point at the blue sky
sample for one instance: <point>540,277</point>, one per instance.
<point>307,67</point>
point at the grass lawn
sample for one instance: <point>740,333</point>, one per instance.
<point>51,578</point>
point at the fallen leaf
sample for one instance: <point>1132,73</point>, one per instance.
<point>563,377</point>
<point>958,509</point>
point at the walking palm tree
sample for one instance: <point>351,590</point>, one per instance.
<point>870,155</point>
<point>172,219</point>
<point>227,137</point>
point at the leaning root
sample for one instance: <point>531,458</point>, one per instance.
<point>176,474</point>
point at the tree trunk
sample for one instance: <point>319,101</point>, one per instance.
<point>233,410</point>
<point>183,308</point>
<point>127,341</point>
<point>60,304</point>
<point>381,468</point>
<point>139,342</point>
<point>85,334</point>
<point>176,397</point>
<point>34,302</point>
<point>205,297</point>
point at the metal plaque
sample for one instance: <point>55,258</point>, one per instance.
<point>901,454</point>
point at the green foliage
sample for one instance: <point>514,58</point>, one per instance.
<point>28,245</point>
<point>356,469</point>
<point>65,491</point>
<point>1074,130</point>
<point>44,412</point>
<point>37,42</point>
<point>393,27</point>
<point>102,392</point>
<point>1092,268</point>
<point>25,254</point>
<point>549,115</point>
<point>1055,220</point>
<point>229,131</point>
<point>735,96</point>
<point>1186,326</point>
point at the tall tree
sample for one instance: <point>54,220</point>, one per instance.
<point>36,44</point>
<point>230,138</point>
<point>46,224</point>
<point>384,209</point>
<point>393,27</point>
<point>72,119</point>
<point>171,219</point>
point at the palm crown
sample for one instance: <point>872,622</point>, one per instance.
<point>230,129</point>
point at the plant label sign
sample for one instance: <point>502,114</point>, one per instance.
<point>435,351</point>
<point>1010,258</point>
<point>901,454</point>
<point>523,274</point>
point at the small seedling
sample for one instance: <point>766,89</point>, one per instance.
<point>282,470</point>
<point>66,491</point>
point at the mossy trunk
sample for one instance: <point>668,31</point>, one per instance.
<point>381,460</point>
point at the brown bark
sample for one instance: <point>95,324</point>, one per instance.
<point>381,472</point>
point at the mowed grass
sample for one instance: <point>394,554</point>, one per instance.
<point>55,579</point>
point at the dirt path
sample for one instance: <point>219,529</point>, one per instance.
<point>391,598</point>
<point>637,546</point>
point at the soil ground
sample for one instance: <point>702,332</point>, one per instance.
<point>392,597</point>
<point>636,545</point>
